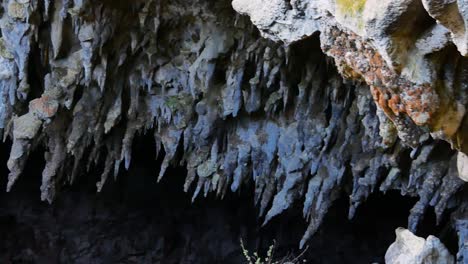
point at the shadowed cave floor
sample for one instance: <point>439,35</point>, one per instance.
<point>136,220</point>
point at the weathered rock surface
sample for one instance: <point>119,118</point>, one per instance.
<point>410,52</point>
<point>82,78</point>
<point>409,248</point>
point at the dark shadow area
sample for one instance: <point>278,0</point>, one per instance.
<point>136,220</point>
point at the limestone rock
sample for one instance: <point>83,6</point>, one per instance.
<point>412,249</point>
<point>462,164</point>
<point>343,98</point>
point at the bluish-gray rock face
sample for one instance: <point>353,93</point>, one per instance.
<point>82,78</point>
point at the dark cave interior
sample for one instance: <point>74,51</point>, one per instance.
<point>137,220</point>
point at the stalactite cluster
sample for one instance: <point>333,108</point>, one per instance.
<point>82,78</point>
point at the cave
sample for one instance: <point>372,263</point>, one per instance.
<point>306,131</point>
<point>137,220</point>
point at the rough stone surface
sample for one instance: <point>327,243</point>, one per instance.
<point>404,50</point>
<point>409,248</point>
<point>82,78</point>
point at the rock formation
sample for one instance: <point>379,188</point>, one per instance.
<point>409,248</point>
<point>341,97</point>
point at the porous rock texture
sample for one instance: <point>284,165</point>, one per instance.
<point>385,110</point>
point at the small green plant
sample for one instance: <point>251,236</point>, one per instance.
<point>255,258</point>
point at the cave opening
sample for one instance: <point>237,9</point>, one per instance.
<point>137,220</point>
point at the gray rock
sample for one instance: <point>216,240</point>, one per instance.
<point>409,248</point>
<point>83,78</point>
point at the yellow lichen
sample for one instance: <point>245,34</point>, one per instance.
<point>351,7</point>
<point>16,10</point>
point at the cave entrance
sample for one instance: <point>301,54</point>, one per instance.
<point>136,220</point>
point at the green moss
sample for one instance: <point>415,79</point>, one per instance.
<point>274,97</point>
<point>4,51</point>
<point>172,102</point>
<point>178,102</point>
<point>351,7</point>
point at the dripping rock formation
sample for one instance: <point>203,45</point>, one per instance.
<point>300,102</point>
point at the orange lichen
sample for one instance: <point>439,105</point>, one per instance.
<point>381,100</point>
<point>44,106</point>
<point>395,104</point>
<point>421,103</point>
<point>395,95</point>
